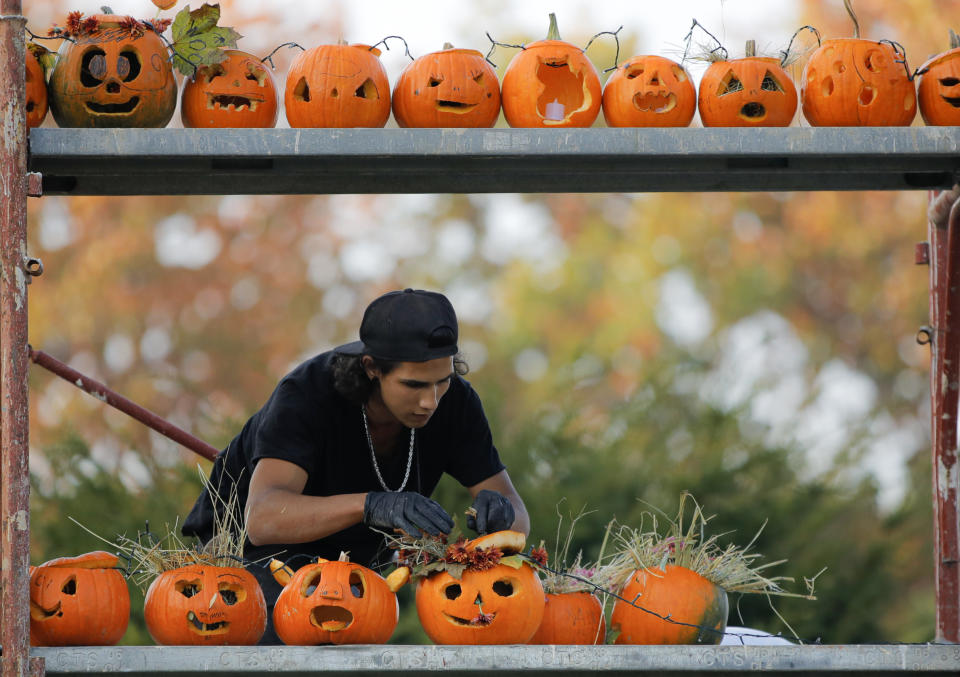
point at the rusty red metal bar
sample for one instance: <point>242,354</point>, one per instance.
<point>944,239</point>
<point>14,409</point>
<point>104,394</point>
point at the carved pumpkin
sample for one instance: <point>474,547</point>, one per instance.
<point>938,87</point>
<point>337,86</point>
<point>109,78</point>
<point>749,92</point>
<point>78,601</point>
<point>571,618</point>
<point>237,92</point>
<point>551,83</point>
<point>649,91</point>
<point>683,595</point>
<point>335,603</point>
<point>36,94</point>
<point>206,605</point>
<point>449,88</point>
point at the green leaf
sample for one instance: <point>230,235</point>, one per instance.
<point>46,58</point>
<point>513,561</point>
<point>198,41</point>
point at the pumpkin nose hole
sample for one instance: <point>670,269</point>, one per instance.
<point>452,591</point>
<point>368,90</point>
<point>827,86</point>
<point>478,600</point>
<point>113,87</point>
<point>302,91</point>
<point>356,584</point>
<point>655,80</point>
<point>503,588</point>
<point>70,587</point>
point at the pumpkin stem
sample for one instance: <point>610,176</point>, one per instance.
<point>751,49</point>
<point>447,45</point>
<point>954,40</point>
<point>848,4</point>
<point>553,33</point>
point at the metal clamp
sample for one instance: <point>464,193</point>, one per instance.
<point>33,267</point>
<point>925,335</point>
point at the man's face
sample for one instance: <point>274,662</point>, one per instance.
<point>412,390</point>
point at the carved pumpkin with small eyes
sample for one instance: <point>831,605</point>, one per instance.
<point>337,86</point>
<point>35,99</point>
<point>938,87</point>
<point>237,92</point>
<point>750,92</point>
<point>335,603</point>
<point>449,88</point>
<point>205,605</point>
<point>78,601</point>
<point>109,78</point>
<point>649,91</point>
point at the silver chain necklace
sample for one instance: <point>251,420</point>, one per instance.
<point>373,455</point>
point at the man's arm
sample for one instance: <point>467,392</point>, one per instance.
<point>501,484</point>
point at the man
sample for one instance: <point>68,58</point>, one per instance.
<point>353,441</point>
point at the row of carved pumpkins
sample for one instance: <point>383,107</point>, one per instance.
<point>107,79</point>
<point>84,601</point>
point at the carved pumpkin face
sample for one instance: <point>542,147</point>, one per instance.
<point>649,91</point>
<point>337,86</point>
<point>683,595</point>
<point>207,605</point>
<point>36,94</point>
<point>110,79</point>
<point>237,92</point>
<point>851,82</point>
<point>500,605</point>
<point>335,603</point>
<point>449,88</point>
<point>748,92</point>
<point>78,601</point>
<point>938,89</point>
<point>551,83</point>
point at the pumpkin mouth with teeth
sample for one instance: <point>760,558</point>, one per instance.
<point>201,628</point>
<point>232,102</point>
<point>655,103</point>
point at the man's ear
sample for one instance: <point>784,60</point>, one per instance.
<point>369,367</point>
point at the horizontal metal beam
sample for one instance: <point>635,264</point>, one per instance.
<point>387,660</point>
<point>316,161</point>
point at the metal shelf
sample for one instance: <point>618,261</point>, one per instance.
<point>317,161</point>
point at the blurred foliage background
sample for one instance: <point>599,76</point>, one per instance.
<point>756,350</point>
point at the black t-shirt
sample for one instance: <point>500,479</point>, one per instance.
<point>307,422</point>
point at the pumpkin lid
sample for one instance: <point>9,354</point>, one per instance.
<point>91,560</point>
<point>509,542</point>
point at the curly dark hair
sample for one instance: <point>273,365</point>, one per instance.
<point>350,378</point>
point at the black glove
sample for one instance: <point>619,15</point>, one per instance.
<point>494,513</point>
<point>406,510</point>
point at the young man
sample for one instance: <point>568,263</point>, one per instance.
<point>353,441</point>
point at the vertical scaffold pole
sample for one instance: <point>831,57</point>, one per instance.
<point>944,257</point>
<point>14,414</point>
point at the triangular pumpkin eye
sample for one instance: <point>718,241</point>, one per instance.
<point>730,84</point>
<point>770,83</point>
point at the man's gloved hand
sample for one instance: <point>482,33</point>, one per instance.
<point>494,513</point>
<point>406,510</point>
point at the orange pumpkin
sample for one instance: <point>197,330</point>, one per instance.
<point>78,601</point>
<point>206,605</point>
<point>749,92</point>
<point>938,87</point>
<point>449,88</point>
<point>109,78</point>
<point>649,91</point>
<point>551,83</point>
<point>36,94</point>
<point>237,92</point>
<point>335,603</point>
<point>678,593</point>
<point>571,618</point>
<point>337,86</point>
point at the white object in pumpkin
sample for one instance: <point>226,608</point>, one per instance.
<point>554,110</point>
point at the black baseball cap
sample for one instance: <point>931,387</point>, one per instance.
<point>412,325</point>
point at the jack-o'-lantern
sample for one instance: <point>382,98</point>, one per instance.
<point>205,605</point>
<point>335,603</point>
<point>78,601</point>
<point>449,88</point>
<point>649,91</point>
<point>489,603</point>
<point>851,82</point>
<point>571,618</point>
<point>337,86</point>
<point>113,77</point>
<point>698,608</point>
<point>35,99</point>
<point>938,87</point>
<point>237,92</point>
<point>551,83</point>
<point>749,92</point>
